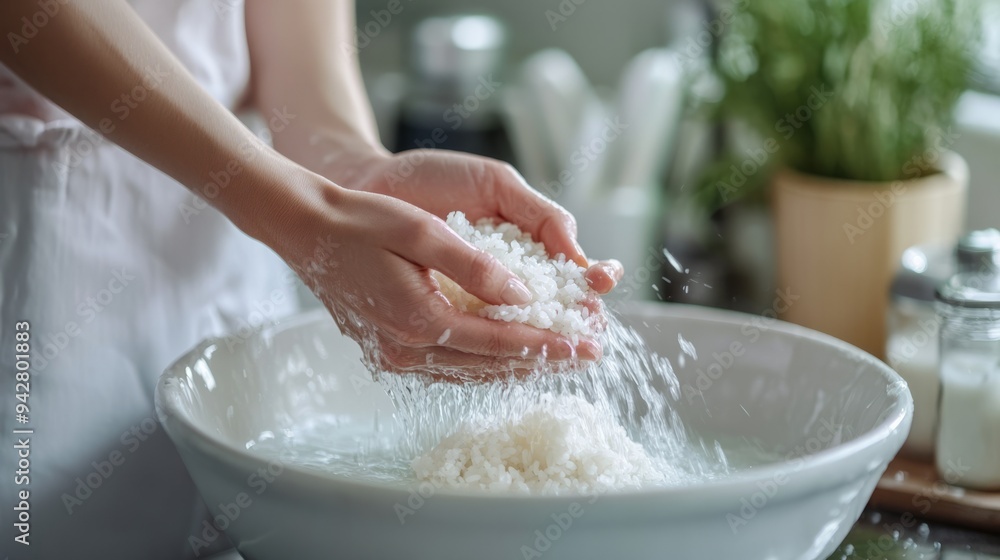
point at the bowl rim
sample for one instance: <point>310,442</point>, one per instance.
<point>810,476</point>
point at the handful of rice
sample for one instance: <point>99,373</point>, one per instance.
<point>557,285</point>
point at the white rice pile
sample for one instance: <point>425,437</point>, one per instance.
<point>557,285</point>
<point>561,445</point>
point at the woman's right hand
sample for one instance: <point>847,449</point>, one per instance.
<point>368,257</point>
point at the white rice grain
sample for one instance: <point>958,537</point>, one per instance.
<point>558,286</point>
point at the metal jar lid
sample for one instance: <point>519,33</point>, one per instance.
<point>979,251</point>
<point>971,290</point>
<point>921,269</point>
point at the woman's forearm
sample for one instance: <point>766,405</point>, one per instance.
<point>98,61</point>
<point>304,63</point>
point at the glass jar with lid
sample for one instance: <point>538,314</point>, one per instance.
<point>913,323</point>
<point>968,436</point>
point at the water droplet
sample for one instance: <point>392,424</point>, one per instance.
<point>686,346</point>
<point>672,260</point>
<point>444,336</point>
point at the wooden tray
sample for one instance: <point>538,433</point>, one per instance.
<point>915,487</point>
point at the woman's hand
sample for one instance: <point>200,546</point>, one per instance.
<point>388,225</point>
<point>441,181</point>
<point>368,257</point>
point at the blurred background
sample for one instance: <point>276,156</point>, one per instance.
<point>669,128</point>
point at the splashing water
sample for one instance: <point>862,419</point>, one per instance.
<point>631,383</point>
<point>636,385</point>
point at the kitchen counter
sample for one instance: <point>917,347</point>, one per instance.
<point>882,535</point>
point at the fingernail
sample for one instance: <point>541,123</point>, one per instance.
<point>563,350</point>
<point>515,293</point>
<point>615,266</point>
<point>589,350</point>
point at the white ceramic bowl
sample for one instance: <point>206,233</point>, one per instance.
<point>837,413</point>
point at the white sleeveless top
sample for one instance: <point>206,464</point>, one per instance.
<point>117,280</point>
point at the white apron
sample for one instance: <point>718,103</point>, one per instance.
<point>117,280</point>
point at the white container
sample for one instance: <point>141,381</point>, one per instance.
<point>912,347</point>
<point>912,343</point>
<point>912,351</point>
<point>968,441</point>
<point>835,415</point>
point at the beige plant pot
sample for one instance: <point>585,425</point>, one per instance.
<point>839,243</point>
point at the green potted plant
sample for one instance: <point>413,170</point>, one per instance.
<point>849,106</point>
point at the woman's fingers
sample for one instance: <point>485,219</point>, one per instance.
<point>551,224</point>
<point>441,361</point>
<point>604,275</point>
<point>454,366</point>
<point>438,247</point>
<point>598,318</point>
<point>434,323</point>
<point>487,337</point>
<point>545,220</point>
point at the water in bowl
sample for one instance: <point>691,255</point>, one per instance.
<point>361,453</point>
<point>631,379</point>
